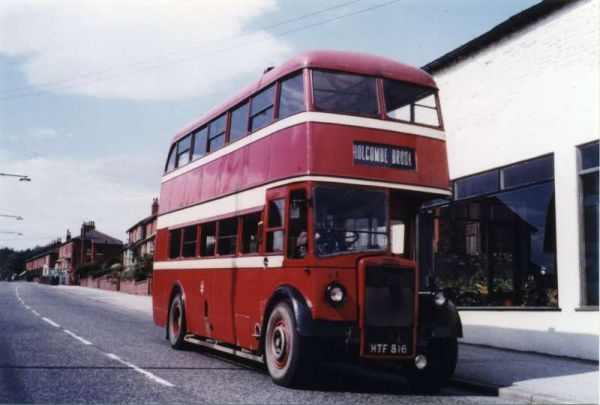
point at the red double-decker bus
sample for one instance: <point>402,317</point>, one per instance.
<point>287,230</point>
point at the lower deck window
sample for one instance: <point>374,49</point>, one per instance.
<point>174,243</point>
<point>226,244</point>
<point>209,232</point>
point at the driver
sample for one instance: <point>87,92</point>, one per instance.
<point>329,241</point>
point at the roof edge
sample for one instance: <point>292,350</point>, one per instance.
<point>513,24</point>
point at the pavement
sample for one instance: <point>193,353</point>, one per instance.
<point>511,375</point>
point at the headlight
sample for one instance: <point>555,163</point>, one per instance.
<point>439,298</point>
<point>336,294</point>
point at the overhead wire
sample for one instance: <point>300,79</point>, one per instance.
<point>184,60</point>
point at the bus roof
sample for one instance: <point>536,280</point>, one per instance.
<point>353,62</point>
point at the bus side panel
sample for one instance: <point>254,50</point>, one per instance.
<point>220,307</point>
<point>246,300</point>
<point>289,153</point>
<point>230,176</point>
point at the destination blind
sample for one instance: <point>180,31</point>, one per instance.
<point>374,154</point>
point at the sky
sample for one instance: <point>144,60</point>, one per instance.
<point>91,92</point>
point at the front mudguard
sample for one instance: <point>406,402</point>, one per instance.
<point>438,321</point>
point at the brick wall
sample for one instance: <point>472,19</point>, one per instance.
<point>126,286</point>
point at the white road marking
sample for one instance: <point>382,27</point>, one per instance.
<point>82,340</point>
<point>35,312</point>
<point>148,374</point>
<point>51,322</point>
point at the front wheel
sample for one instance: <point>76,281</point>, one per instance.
<point>441,362</point>
<point>286,353</point>
<point>177,324</point>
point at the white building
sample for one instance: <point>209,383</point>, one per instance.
<point>519,245</point>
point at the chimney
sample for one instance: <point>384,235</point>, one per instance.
<point>154,206</point>
<point>68,236</point>
<point>87,226</point>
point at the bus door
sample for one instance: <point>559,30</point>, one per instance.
<point>246,282</point>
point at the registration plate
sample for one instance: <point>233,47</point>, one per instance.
<point>387,348</point>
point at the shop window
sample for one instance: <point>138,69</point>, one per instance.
<point>499,249</point>
<point>190,236</point>
<point>209,233</point>
<point>250,233</point>
<point>227,241</point>
<point>588,178</point>
<point>239,122</point>
<point>262,108</point>
<point>291,99</point>
<point>174,243</point>
<point>275,226</point>
<point>478,184</point>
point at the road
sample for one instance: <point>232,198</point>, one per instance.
<point>57,347</point>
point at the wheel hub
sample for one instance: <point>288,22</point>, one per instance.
<point>279,342</point>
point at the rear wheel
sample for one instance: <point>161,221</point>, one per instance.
<point>177,324</point>
<point>286,352</point>
<point>441,361</point>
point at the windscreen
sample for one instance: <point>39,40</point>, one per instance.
<point>349,220</point>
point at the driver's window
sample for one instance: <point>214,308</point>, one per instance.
<point>298,227</point>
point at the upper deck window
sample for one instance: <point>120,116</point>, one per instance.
<point>239,122</point>
<point>216,133</point>
<point>345,93</point>
<point>200,143</point>
<point>183,150</point>
<point>171,159</point>
<point>291,98</point>
<point>262,108</point>
<point>410,102</point>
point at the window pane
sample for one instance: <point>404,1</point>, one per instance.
<point>275,241</point>
<point>189,241</point>
<point>503,252</point>
<point>590,233</point>
<point>345,93</point>
<point>216,142</point>
<point>171,159</point>
<point>291,99</point>
<point>483,183</point>
<point>183,151</point>
<point>208,233</point>
<point>250,233</point>
<point>199,143</point>
<point>533,171</point>
<point>263,100</point>
<point>239,122</point>
<point>227,236</point>
<point>276,213</point>
<point>401,97</point>
<point>589,156</point>
<point>298,225</point>
<point>174,243</point>
<point>261,119</point>
<point>217,126</point>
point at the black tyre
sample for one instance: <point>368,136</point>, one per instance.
<point>286,351</point>
<point>441,362</point>
<point>177,324</point>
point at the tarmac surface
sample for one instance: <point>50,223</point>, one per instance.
<point>75,345</point>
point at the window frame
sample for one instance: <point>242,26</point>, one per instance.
<point>210,137</point>
<point>412,121</point>
<point>293,75</point>
<point>281,228</point>
<point>583,296</point>
<point>179,154</point>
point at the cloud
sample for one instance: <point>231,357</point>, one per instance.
<point>49,134</point>
<point>115,192</point>
<point>63,41</point>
